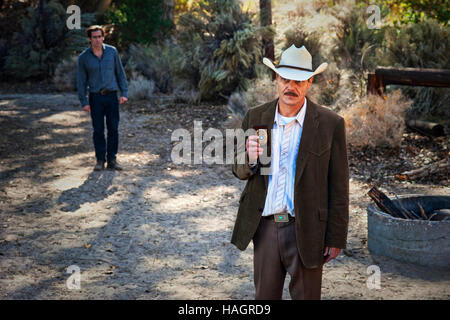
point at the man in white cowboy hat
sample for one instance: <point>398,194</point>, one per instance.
<point>295,204</point>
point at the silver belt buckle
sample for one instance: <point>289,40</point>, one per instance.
<point>281,217</point>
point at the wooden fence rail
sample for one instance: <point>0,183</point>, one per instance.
<point>383,76</point>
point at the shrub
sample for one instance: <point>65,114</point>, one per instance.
<point>157,62</point>
<point>422,45</point>
<point>221,47</point>
<point>11,13</point>
<point>354,39</point>
<point>416,10</point>
<point>161,64</point>
<point>138,21</point>
<point>376,121</point>
<point>140,88</point>
<point>185,92</point>
<point>44,41</point>
<point>65,78</point>
<point>432,104</point>
<point>419,45</point>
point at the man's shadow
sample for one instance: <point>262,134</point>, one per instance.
<point>93,189</point>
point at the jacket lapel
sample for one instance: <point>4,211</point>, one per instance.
<point>308,139</point>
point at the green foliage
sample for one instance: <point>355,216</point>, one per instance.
<point>11,13</point>
<point>139,21</point>
<point>355,38</point>
<point>181,6</point>
<point>221,47</point>
<point>425,44</point>
<point>419,45</point>
<point>158,62</point>
<point>44,41</point>
<point>86,5</point>
<point>405,11</point>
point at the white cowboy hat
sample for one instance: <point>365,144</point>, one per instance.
<point>295,64</point>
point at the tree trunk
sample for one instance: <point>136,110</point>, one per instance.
<point>414,76</point>
<point>266,20</point>
<point>383,76</point>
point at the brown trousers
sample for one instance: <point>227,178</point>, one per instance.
<point>275,252</point>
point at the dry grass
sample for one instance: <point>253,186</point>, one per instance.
<point>140,88</point>
<point>376,121</point>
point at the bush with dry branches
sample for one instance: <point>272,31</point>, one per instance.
<point>376,121</point>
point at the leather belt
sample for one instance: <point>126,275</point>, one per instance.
<point>104,92</point>
<point>280,217</point>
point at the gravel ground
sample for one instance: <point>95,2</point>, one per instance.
<point>156,230</point>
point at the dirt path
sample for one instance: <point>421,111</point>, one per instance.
<point>154,231</point>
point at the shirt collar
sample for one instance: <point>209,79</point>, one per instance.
<point>300,118</point>
<point>103,45</point>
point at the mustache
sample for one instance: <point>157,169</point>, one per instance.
<point>291,93</point>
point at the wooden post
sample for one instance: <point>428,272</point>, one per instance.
<point>265,13</point>
<point>375,84</point>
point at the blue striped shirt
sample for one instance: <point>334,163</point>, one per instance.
<point>294,143</point>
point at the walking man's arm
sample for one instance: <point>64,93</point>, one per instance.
<point>121,78</point>
<point>81,85</point>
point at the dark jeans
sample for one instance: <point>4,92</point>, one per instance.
<point>105,106</point>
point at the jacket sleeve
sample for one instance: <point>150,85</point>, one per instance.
<point>338,190</point>
<point>241,168</point>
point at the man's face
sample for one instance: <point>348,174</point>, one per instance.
<point>96,38</point>
<point>292,92</point>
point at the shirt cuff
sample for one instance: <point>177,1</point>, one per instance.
<point>83,103</point>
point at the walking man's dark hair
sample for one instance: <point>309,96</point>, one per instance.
<point>94,28</point>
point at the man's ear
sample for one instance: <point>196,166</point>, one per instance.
<point>310,81</point>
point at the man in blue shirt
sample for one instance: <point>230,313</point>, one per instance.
<point>100,69</point>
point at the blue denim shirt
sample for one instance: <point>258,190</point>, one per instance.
<point>100,74</point>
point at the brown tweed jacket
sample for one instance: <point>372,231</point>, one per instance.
<point>321,194</point>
